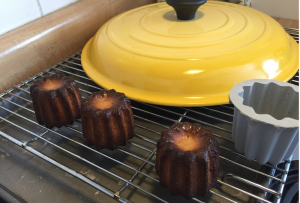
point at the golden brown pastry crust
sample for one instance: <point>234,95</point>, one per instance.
<point>109,127</point>
<point>187,172</point>
<point>59,106</point>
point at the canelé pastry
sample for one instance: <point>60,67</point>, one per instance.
<point>107,119</point>
<point>56,100</point>
<point>187,159</point>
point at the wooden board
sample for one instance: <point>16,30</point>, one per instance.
<point>46,41</point>
<point>288,22</point>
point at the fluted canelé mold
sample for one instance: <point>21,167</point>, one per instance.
<point>107,119</point>
<point>266,119</point>
<point>56,100</point>
<point>187,159</point>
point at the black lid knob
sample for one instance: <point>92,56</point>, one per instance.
<point>186,9</point>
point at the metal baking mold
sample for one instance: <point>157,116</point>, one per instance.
<point>266,119</point>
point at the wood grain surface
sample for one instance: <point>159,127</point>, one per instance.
<point>287,22</point>
<point>46,41</point>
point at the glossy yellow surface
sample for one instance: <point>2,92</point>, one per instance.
<point>152,57</point>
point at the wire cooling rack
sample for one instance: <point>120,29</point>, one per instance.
<point>127,174</point>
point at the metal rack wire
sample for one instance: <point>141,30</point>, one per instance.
<point>127,174</point>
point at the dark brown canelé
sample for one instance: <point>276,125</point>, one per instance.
<point>107,119</point>
<point>56,100</point>
<point>187,159</point>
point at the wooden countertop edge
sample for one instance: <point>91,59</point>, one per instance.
<point>46,41</point>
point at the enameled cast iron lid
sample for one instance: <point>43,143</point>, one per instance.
<point>153,57</point>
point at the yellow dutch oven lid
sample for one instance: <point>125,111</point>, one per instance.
<point>153,57</point>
